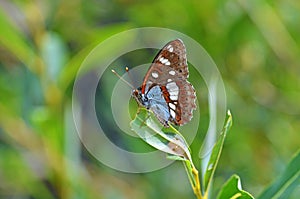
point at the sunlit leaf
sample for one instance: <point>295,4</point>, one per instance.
<point>216,153</point>
<point>233,190</point>
<point>164,139</point>
<point>168,140</point>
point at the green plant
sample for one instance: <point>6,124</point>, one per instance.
<point>170,141</point>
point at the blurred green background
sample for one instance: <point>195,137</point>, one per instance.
<point>255,44</point>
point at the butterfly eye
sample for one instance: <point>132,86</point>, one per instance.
<point>135,93</point>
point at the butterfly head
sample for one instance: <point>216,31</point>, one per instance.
<point>140,97</point>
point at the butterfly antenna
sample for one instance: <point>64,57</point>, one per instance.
<point>121,78</point>
<point>129,75</point>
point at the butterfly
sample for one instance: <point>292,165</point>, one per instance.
<point>165,89</point>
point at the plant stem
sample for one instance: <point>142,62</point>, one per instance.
<point>196,186</point>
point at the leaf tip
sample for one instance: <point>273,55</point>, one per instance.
<point>229,113</point>
<point>229,120</point>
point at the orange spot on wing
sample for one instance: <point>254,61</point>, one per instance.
<point>166,94</point>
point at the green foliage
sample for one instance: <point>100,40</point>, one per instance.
<point>255,45</point>
<point>15,42</point>
<point>215,155</point>
<point>167,140</point>
<point>170,141</point>
<point>285,184</point>
<point>232,189</point>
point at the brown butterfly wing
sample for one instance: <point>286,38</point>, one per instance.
<point>169,70</point>
<point>173,55</point>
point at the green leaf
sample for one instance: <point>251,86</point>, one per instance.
<point>216,153</point>
<point>286,182</point>
<point>167,140</point>
<point>15,41</point>
<point>233,189</point>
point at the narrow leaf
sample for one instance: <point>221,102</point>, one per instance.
<point>232,189</point>
<point>216,153</point>
<point>286,182</point>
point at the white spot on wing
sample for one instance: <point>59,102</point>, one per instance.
<point>154,74</point>
<point>169,80</point>
<point>164,61</point>
<point>172,72</point>
<point>172,106</point>
<point>173,97</point>
<point>173,114</point>
<point>172,86</point>
<point>174,92</point>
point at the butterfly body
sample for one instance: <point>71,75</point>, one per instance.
<point>154,101</point>
<point>165,89</point>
